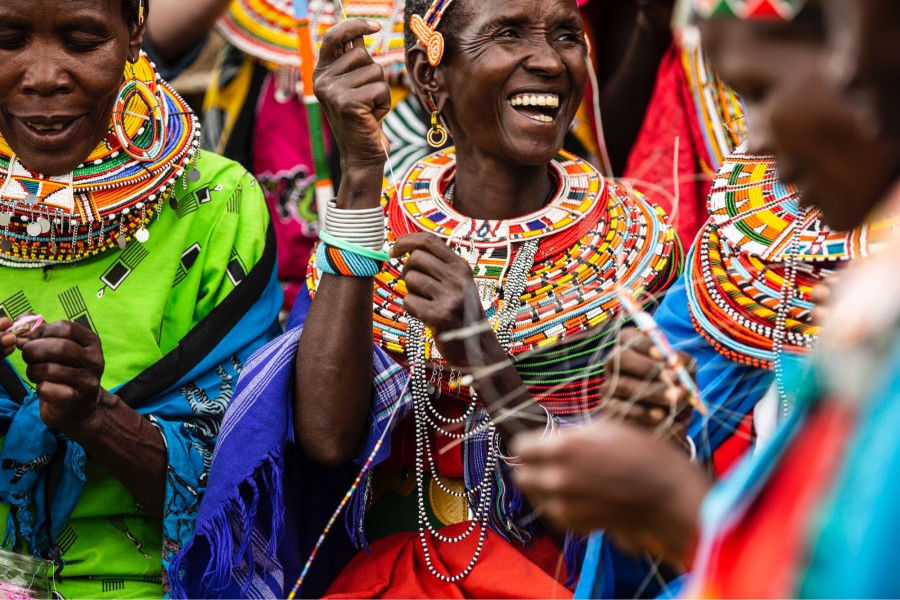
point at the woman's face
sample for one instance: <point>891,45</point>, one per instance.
<point>864,39</point>
<point>814,131</point>
<point>61,65</point>
<point>514,78</point>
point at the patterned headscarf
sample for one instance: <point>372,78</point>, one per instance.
<point>784,10</point>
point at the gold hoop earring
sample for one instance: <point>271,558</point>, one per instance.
<point>437,134</point>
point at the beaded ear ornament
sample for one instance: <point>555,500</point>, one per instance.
<point>426,31</point>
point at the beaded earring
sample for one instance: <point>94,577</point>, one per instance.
<point>425,30</point>
<point>135,102</point>
<point>437,134</point>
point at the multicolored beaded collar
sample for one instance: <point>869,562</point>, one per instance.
<point>108,200</point>
<point>593,236</point>
<point>267,29</point>
<point>750,259</point>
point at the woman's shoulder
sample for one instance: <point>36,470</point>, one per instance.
<point>215,185</point>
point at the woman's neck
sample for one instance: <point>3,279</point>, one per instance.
<point>490,189</point>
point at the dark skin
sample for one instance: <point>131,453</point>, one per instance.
<point>525,46</point>
<point>810,139</point>
<point>565,478</point>
<point>865,57</point>
<point>174,27</point>
<point>7,338</point>
<point>67,66</point>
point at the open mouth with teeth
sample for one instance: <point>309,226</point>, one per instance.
<point>539,107</point>
<point>47,126</point>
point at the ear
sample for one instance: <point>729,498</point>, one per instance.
<point>425,78</point>
<point>136,32</point>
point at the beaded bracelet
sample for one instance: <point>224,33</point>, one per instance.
<point>337,242</point>
<point>339,257</point>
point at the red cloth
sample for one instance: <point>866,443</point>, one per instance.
<point>671,114</point>
<point>735,448</point>
<point>760,556</point>
<point>396,568</point>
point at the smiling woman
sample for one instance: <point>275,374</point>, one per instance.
<point>491,315</point>
<point>110,410</point>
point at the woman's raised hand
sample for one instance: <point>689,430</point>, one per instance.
<point>65,362</point>
<point>441,293</point>
<point>354,94</point>
<point>642,389</point>
<point>7,339</point>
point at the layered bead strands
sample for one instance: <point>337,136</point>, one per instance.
<point>108,200</point>
<point>757,214</point>
<point>720,111</point>
<point>751,273</point>
<point>266,30</point>
<point>429,423</point>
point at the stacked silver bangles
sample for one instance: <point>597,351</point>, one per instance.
<point>363,227</point>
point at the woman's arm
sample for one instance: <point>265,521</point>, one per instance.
<point>333,383</point>
<point>441,292</point>
<point>175,26</point>
<point>643,491</point>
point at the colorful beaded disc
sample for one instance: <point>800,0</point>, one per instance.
<point>110,198</point>
<point>267,29</point>
<point>581,188</point>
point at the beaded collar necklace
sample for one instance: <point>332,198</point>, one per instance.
<point>752,271</point>
<point>108,200</point>
<point>581,233</point>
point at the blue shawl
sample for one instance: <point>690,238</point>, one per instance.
<point>184,395</point>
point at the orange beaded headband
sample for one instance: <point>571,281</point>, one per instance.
<point>426,31</point>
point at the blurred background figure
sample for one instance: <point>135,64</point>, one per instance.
<point>825,486</point>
